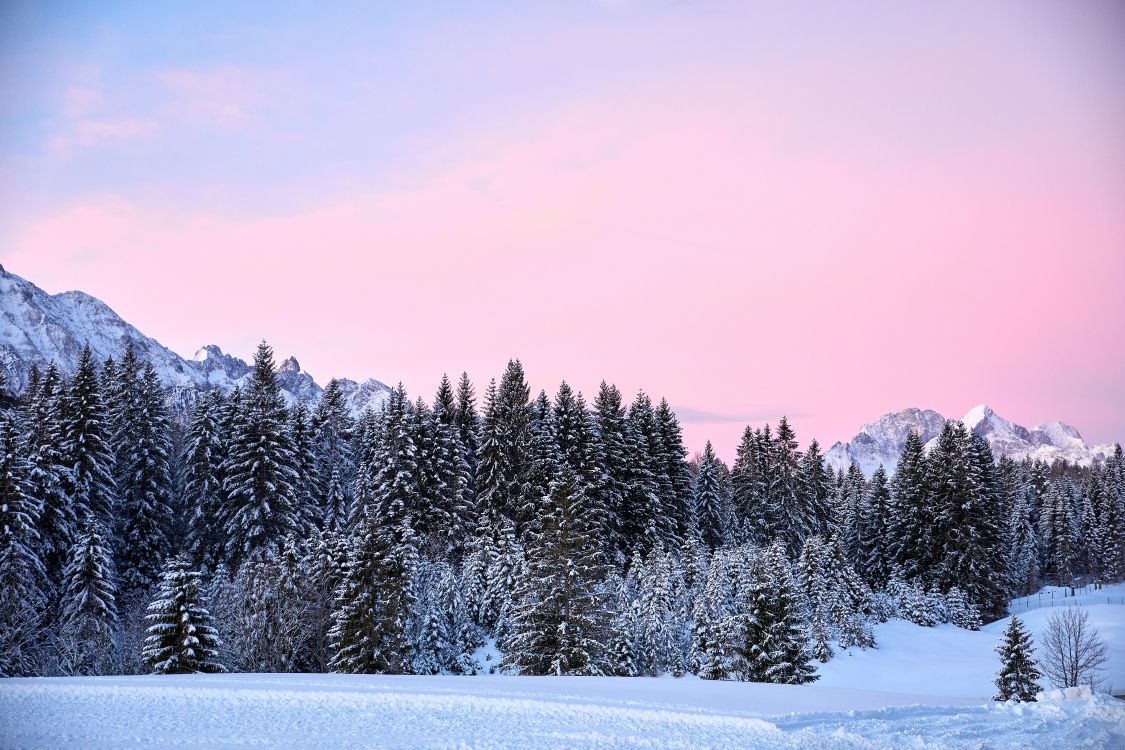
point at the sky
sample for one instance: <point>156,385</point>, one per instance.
<point>828,211</point>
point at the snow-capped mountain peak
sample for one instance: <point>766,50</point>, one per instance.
<point>37,328</point>
<point>881,443</point>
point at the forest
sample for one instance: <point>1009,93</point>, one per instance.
<point>525,535</point>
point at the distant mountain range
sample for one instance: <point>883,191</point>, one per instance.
<point>37,328</point>
<point>881,443</point>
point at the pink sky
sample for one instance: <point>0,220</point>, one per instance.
<point>751,213</point>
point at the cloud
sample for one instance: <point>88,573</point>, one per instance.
<point>222,96</point>
<point>89,133</point>
<point>692,415</point>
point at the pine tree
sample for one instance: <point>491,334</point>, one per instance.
<point>645,523</point>
<point>875,527</point>
<point>770,637</point>
<point>560,621</point>
<point>85,447</point>
<point>368,635</point>
<point>910,513</point>
<point>713,515</point>
<point>1021,556</point>
<point>49,476</point>
<point>181,638</point>
<point>609,415</point>
<point>674,476</point>
<point>203,497</point>
<point>263,501</point>
<point>793,519</point>
<point>23,578</point>
<point>467,421</point>
<point>88,604</point>
<point>1018,673</point>
<point>449,508</point>
<point>334,475</point>
<point>145,487</point>
<point>750,490</point>
<point>815,488</point>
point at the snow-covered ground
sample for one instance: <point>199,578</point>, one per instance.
<point>339,711</point>
<point>922,688</point>
<point>947,660</point>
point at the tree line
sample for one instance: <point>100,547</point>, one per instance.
<point>531,535</point>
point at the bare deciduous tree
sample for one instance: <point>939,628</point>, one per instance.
<point>1072,652</point>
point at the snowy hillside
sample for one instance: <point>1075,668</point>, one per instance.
<point>37,328</point>
<point>881,443</point>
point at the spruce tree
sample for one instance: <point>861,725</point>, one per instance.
<point>910,512</point>
<point>23,578</point>
<point>260,477</point>
<point>334,475</point>
<point>85,447</point>
<point>814,481</point>
<point>88,604</point>
<point>645,523</point>
<point>181,638</point>
<point>674,475</point>
<point>1018,673</point>
<point>876,563</point>
<point>203,497</point>
<point>560,622</point>
<point>609,416</point>
<point>145,487</point>
<point>793,519</point>
<point>368,634</point>
<point>750,491</point>
<point>712,513</point>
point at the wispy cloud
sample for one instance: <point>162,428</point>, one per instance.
<point>87,133</point>
<point>692,415</point>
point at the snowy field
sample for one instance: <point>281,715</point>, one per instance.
<point>922,688</point>
<point>340,711</point>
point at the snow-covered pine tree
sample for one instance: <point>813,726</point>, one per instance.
<point>302,442</point>
<point>962,612</point>
<point>908,538</point>
<point>145,486</point>
<point>750,490</point>
<point>1018,675</point>
<point>875,526</point>
<point>659,624</point>
<point>368,635</point>
<point>645,524</point>
<point>1021,548</point>
<point>181,637</point>
<point>85,447</point>
<point>770,634</point>
<point>48,474</point>
<point>674,475</point>
<point>467,421</point>
<point>390,497</point>
<point>560,620</point>
<point>610,427</point>
<point>260,476</point>
<point>1060,532</point>
<point>814,481</point>
<point>87,604</point>
<point>449,508</point>
<point>203,482</point>
<point>713,515</point>
<point>794,520</point>
<point>23,578</point>
<point>334,431</point>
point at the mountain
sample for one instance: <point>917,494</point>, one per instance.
<point>881,443</point>
<point>37,328</point>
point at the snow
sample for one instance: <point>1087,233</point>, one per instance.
<point>339,711</point>
<point>949,661</point>
<point>921,688</point>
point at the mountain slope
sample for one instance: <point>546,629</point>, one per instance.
<point>881,443</point>
<point>37,328</point>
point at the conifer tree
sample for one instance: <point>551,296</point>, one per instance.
<point>610,426</point>
<point>368,635</point>
<point>645,523</point>
<point>203,497</point>
<point>815,486</point>
<point>181,638</point>
<point>260,477</point>
<point>750,490</point>
<point>674,475</point>
<point>23,578</point>
<point>793,520</point>
<point>88,604</point>
<point>1021,555</point>
<point>560,622</point>
<point>85,446</point>
<point>467,421</point>
<point>712,513</point>
<point>334,431</point>
<point>449,507</point>
<point>910,517</point>
<point>145,487</point>
<point>770,637</point>
<point>1018,675</point>
<point>48,475</point>
<point>876,522</point>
